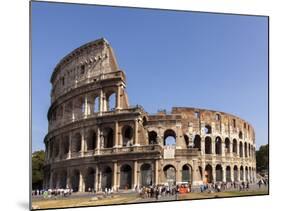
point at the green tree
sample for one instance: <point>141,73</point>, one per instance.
<point>262,158</point>
<point>38,158</point>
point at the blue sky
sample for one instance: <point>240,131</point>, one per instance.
<point>191,59</point>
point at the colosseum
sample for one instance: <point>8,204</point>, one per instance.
<point>96,140</point>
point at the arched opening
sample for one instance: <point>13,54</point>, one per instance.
<point>126,177</point>
<point>208,145</point>
<point>218,117</point>
<point>91,140</point>
<point>234,146</point>
<point>208,174</point>
<point>75,180</point>
<point>65,144</point>
<point>218,146</point>
<point>245,149</point>
<point>111,102</point>
<point>249,150</point>
<point>152,137</point>
<point>127,135</point>
<point>227,145</point>
<point>201,172</point>
<point>170,174</point>
<point>76,143</point>
<point>56,147</point>
<point>235,169</point>
<point>208,129</point>
<point>96,105</point>
<point>228,174</point>
<point>108,135</point>
<point>106,181</point>
<point>241,173</point>
<point>246,174</point>
<point>219,173</point>
<point>144,121</point>
<point>197,142</point>
<point>90,179</point>
<point>146,174</point>
<point>186,139</point>
<point>78,107</point>
<point>186,173</point>
<point>240,149</point>
<point>240,135</point>
<point>55,180</point>
<point>63,177</point>
<point>169,138</point>
<point>68,110</point>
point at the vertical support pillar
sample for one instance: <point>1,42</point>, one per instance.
<point>72,111</point>
<point>96,185</point>
<point>232,173</point>
<point>213,145</point>
<point>202,147</point>
<point>114,175</point>
<point>98,140</point>
<point>86,106</point>
<point>70,146</point>
<point>135,173</point>
<point>68,179</point>
<point>82,142</point>
<point>118,98</point>
<point>214,173</point>
<point>81,182</point>
<point>99,179</point>
<point>244,174</point>
<point>116,137</point>
<point>196,179</point>
<point>51,180</point>
<point>223,148</point>
<point>156,167</point>
<point>136,133</point>
<point>223,173</point>
<point>231,148</point>
<point>101,101</point>
<point>238,174</point>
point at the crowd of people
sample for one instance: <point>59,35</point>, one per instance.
<point>158,191</point>
<point>53,193</point>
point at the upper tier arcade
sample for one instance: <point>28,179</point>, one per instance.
<point>92,62</point>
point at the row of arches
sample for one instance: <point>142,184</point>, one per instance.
<point>244,149</point>
<point>85,105</point>
<point>228,174</point>
<point>73,143</point>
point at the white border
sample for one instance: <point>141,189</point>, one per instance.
<point>14,155</point>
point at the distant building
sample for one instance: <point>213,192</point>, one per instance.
<point>96,140</point>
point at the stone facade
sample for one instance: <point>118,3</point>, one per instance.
<point>96,140</point>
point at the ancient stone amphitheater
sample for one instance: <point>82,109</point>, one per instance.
<point>96,140</point>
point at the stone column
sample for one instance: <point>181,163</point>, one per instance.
<point>118,106</point>
<point>48,149</point>
<point>68,179</point>
<point>244,173</point>
<point>51,180</point>
<point>98,140</point>
<point>70,146</point>
<point>202,146</point>
<point>156,166</point>
<point>232,173</point>
<point>116,141</point>
<point>213,145</point>
<point>231,148</point>
<point>86,106</point>
<point>114,175</point>
<point>136,133</point>
<point>81,182</point>
<point>223,173</point>
<point>238,173</point>
<point>96,186</point>
<point>72,111</point>
<point>101,101</point>
<point>82,142</point>
<point>99,180</point>
<point>135,173</point>
<point>196,179</point>
<point>214,172</point>
<point>223,148</point>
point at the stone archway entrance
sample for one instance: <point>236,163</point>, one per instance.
<point>126,177</point>
<point>146,175</point>
<point>106,181</point>
<point>170,174</point>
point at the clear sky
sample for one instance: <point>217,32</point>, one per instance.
<point>170,58</point>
